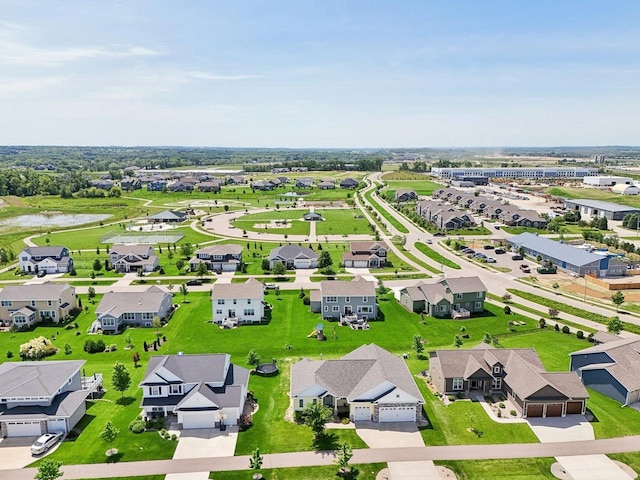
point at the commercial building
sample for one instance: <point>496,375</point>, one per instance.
<point>513,172</point>
<point>598,208</point>
<point>606,181</point>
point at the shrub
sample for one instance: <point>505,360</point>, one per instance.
<point>138,425</point>
<point>507,310</point>
<point>580,334</point>
<point>9,354</point>
<point>556,327</point>
<point>565,329</point>
<point>163,432</point>
<point>37,348</point>
<point>345,421</point>
<point>501,405</point>
<point>306,300</point>
<point>298,416</point>
<point>91,346</point>
<point>174,437</point>
<point>452,398</point>
<point>513,413</point>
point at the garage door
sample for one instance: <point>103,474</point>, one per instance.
<point>56,425</point>
<point>397,414</point>
<point>362,414</point>
<point>23,429</point>
<point>534,410</point>
<point>198,419</point>
<point>554,410</point>
<point>574,407</point>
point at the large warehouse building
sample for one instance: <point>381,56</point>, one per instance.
<point>607,181</point>
<point>514,172</point>
<point>567,257</point>
<point>598,208</point>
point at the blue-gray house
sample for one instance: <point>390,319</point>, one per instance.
<point>611,368</point>
<point>568,257</point>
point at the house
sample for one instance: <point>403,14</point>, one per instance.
<point>293,256</point>
<point>284,179</point>
<point>349,183</point>
<point>567,257</point>
<point>130,183</point>
<point>299,169</point>
<point>47,259</point>
<point>43,397</point>
<point>522,218</point>
<point>218,258</point>
<point>182,186</point>
<point>156,185</point>
<point>336,299</point>
<point>326,185</point>
<point>133,258</point>
<point>312,217</point>
<point>118,310</point>
<point>237,303</point>
<point>280,170</point>
<point>304,182</point>
<point>405,195</point>
<point>365,255</point>
<point>237,180</point>
<point>167,216</point>
<point>611,368</point>
<point>446,297</point>
<point>516,373</point>
<point>264,185</point>
<point>26,305</point>
<point>103,184</point>
<point>209,186</point>
<point>204,391</point>
<point>368,384</point>
<point>443,216</point>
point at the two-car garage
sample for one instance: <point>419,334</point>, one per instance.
<point>397,414</point>
<point>26,428</point>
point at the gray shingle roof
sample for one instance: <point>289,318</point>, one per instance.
<point>208,368</point>
<point>553,249</point>
<point>252,288</point>
<point>291,252</point>
<point>168,215</point>
<point>44,251</point>
<point>131,249</point>
<point>32,379</point>
<point>117,303</point>
<point>63,405</point>
<point>44,291</point>
<point>356,287</point>
<point>226,249</point>
<point>625,354</point>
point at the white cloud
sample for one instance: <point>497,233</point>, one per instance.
<point>213,76</point>
<point>29,84</point>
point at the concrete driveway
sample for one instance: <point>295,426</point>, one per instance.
<point>425,470</point>
<point>592,467</point>
<point>206,443</point>
<point>389,435</point>
<point>187,476</point>
<point>16,452</point>
<point>568,429</point>
<point>225,277</point>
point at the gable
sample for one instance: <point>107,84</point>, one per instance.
<point>197,400</point>
<point>398,395</point>
<point>545,393</point>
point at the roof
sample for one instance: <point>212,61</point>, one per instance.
<point>604,337</point>
<point>168,215</point>
<point>290,252</point>
<point>252,288</point>
<point>117,303</point>
<point>366,246</point>
<point>355,374</point>
<point>134,249</point>
<point>44,251</point>
<point>357,286</point>
<point>436,290</point>
<point>63,405</point>
<point>228,249</point>
<point>600,205</point>
<point>33,379</point>
<point>208,368</point>
<point>43,291</point>
<point>553,249</point>
<point>465,284</point>
<point>625,356</point>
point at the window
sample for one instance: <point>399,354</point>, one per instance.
<point>496,369</point>
<point>6,303</point>
<point>235,301</point>
<point>221,301</point>
<point>175,389</point>
<point>458,295</point>
<point>147,315</point>
<point>478,305</point>
<point>154,391</point>
<point>128,316</point>
<point>33,303</point>
<point>219,311</point>
<point>365,299</point>
<point>443,308</point>
<point>49,303</point>
<point>300,403</point>
<point>479,294</point>
<point>249,301</point>
<point>347,299</point>
<point>496,384</point>
<point>332,299</point>
<point>249,312</point>
<point>326,308</point>
<point>335,308</point>
<point>457,384</point>
<point>365,309</point>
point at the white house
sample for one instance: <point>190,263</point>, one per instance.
<point>293,256</point>
<point>236,303</point>
<point>47,259</point>
<point>204,391</point>
<point>132,258</point>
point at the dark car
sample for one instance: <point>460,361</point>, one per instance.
<point>516,257</point>
<point>438,234</point>
<point>42,273</point>
<point>488,247</point>
<point>499,251</point>
<point>192,283</point>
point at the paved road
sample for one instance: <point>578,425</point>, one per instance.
<point>372,455</point>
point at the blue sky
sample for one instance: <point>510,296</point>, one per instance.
<point>319,74</point>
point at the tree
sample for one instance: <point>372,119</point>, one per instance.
<point>618,299</point>
<point>109,434</point>
<point>92,293</point>
<point>325,259</point>
<point>255,462</point>
<point>506,297</point>
<point>120,379</point>
<point>136,359</point>
<point>170,256</point>
<point>180,264</point>
<point>97,265</point>
<point>253,358</point>
<point>343,455</point>
<point>553,313</point>
<point>316,416</point>
<point>184,291</point>
<point>49,470</point>
<point>487,338</point>
<point>457,341</point>
<point>418,346</point>
<point>186,250</point>
<point>157,324</point>
<point>201,271</point>
<point>265,264</point>
<point>279,269</point>
<point>614,325</point>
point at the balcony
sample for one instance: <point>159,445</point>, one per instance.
<point>92,384</point>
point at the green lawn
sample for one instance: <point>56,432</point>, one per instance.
<point>421,187</point>
<point>342,222</point>
<point>632,459</point>
<point>610,420</point>
<point>595,194</point>
<point>142,477</point>
<point>425,265</point>
<point>510,468</point>
<point>366,472</point>
<point>296,226</point>
<point>388,217</point>
<point>436,256</point>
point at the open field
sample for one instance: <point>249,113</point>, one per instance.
<point>366,472</point>
<point>595,194</point>
<point>507,469</point>
<point>265,222</point>
<point>388,217</point>
<point>342,221</point>
<point>424,188</point>
<point>436,256</point>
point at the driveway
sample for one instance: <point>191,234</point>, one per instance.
<point>568,429</point>
<point>225,277</point>
<point>592,467</point>
<point>425,470</point>
<point>187,476</point>
<point>389,435</point>
<point>16,452</point>
<point>206,443</point>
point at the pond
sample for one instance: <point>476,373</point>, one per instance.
<point>52,220</point>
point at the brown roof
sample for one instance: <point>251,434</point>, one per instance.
<point>252,288</point>
<point>357,286</point>
<point>225,249</point>
<point>365,246</point>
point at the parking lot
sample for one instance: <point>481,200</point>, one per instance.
<point>502,260</point>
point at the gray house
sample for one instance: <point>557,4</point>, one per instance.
<point>516,373</point>
<point>611,368</point>
<point>337,299</point>
<point>446,297</point>
<point>293,256</point>
<point>218,258</point>
<point>567,257</point>
<point>135,309</point>
<point>405,195</point>
<point>43,397</point>
<point>368,384</point>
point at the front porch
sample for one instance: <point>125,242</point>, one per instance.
<point>340,406</point>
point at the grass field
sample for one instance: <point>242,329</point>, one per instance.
<point>423,188</point>
<point>342,222</point>
<point>436,256</point>
<point>388,217</point>
<point>595,194</point>
<point>296,226</point>
<point>506,469</point>
<point>610,420</point>
<point>366,472</point>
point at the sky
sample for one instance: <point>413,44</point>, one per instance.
<point>321,74</point>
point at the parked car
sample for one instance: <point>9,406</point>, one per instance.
<point>429,241</point>
<point>525,268</point>
<point>195,282</point>
<point>42,273</point>
<point>488,247</point>
<point>480,255</point>
<point>438,234</point>
<point>499,251</point>
<point>44,443</point>
<point>490,260</point>
<point>270,286</point>
<point>517,257</point>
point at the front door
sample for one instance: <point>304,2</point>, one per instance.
<point>231,314</point>
<point>348,310</point>
<point>475,384</point>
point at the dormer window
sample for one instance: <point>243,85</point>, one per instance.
<point>496,369</point>
<point>175,389</point>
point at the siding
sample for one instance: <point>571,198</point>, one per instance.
<point>603,382</point>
